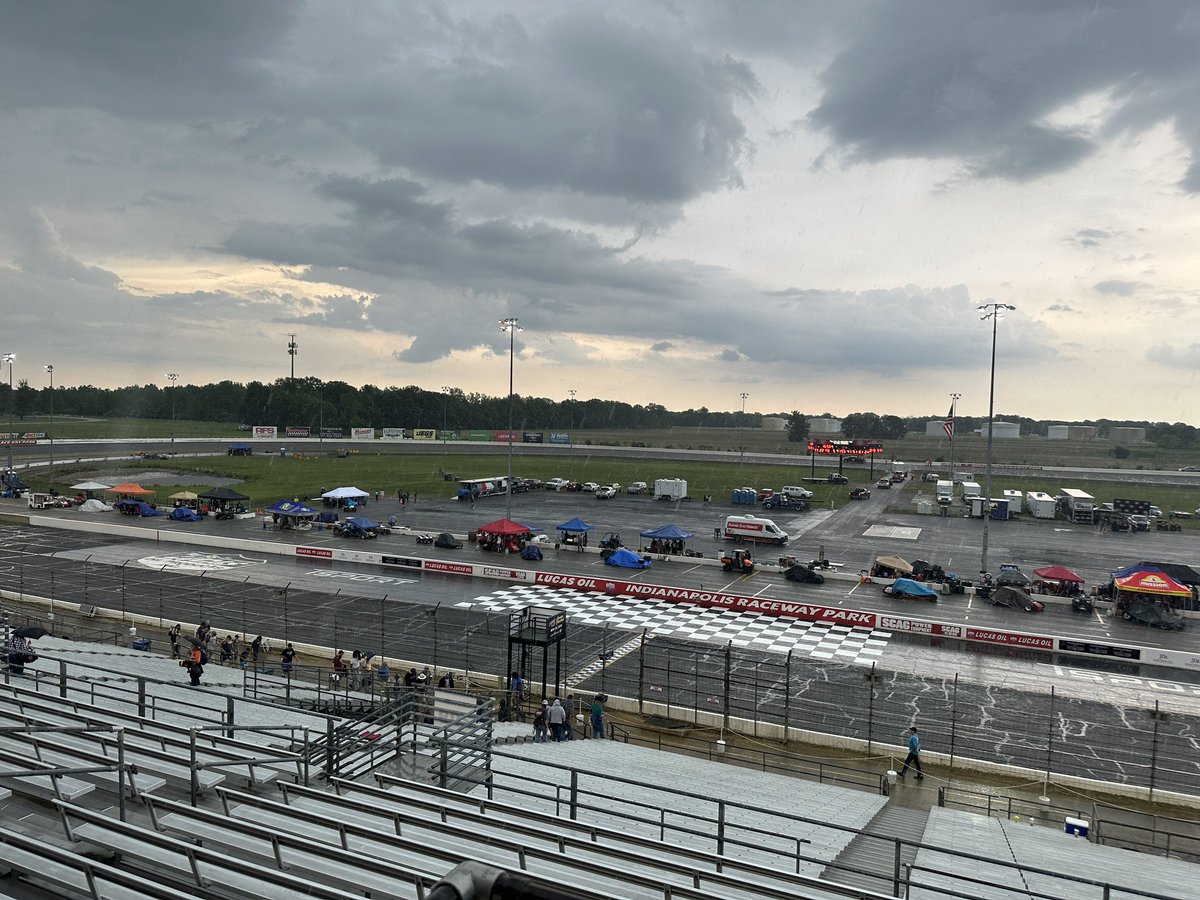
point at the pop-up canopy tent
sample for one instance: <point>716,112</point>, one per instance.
<point>504,527</point>
<point>575,526</point>
<point>1146,582</point>
<point>184,495</point>
<point>89,487</point>
<point>221,498</point>
<point>129,489</point>
<point>345,493</point>
<point>895,563</point>
<point>1057,573</point>
<point>291,509</point>
<point>668,533</point>
<point>1181,573</point>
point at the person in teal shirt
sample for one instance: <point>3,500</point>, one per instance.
<point>914,754</point>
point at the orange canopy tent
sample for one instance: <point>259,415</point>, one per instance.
<point>129,487</point>
<point>1152,583</point>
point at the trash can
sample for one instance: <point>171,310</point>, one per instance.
<point>1079,827</point>
<point>142,644</point>
<point>892,776</point>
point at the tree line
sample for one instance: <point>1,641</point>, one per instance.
<point>315,403</point>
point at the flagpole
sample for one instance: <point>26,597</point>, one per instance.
<point>953,412</point>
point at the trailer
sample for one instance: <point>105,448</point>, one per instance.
<point>1039,504</point>
<point>1080,505</point>
<point>472,488</point>
<point>670,488</point>
<point>1016,502</point>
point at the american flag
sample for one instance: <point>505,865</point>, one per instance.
<point>949,426</point>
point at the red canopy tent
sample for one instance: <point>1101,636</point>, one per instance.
<point>504,527</point>
<point>1152,583</point>
<point>1057,573</point>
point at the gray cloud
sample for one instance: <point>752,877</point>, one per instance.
<point>1117,288</point>
<point>979,82</point>
<point>1089,237</point>
<point>661,346</point>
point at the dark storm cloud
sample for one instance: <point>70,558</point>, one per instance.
<point>138,57</point>
<point>978,81</point>
<point>588,104</point>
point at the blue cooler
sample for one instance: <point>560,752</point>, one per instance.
<point>1079,827</point>
<point>141,644</point>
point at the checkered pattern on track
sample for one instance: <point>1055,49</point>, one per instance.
<point>776,634</point>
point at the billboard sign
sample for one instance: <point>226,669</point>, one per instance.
<point>333,432</point>
<point>424,434</point>
<point>362,434</point>
<point>559,437</point>
<point>503,437</point>
<point>393,434</point>
<point>298,431</point>
<point>268,432</point>
<point>479,435</point>
<point>531,437</point>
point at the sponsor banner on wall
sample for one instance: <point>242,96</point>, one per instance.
<point>531,437</point>
<point>393,434</point>
<point>503,437</point>
<point>1092,648</point>
<point>265,431</point>
<point>1009,638</point>
<point>362,434</point>
<point>298,431</point>
<point>510,574</point>
<point>447,435</point>
<point>332,432</point>
<point>479,435</point>
<point>315,552</point>
<point>406,561</point>
<point>436,565</point>
<point>714,599</point>
<point>16,436</point>
<point>559,437</point>
<point>1177,659</point>
<point>424,434</point>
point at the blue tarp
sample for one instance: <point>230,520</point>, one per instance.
<point>668,533</point>
<point>627,559</point>
<point>531,553</point>
<point>362,522</point>
<point>911,588</point>
<point>576,524</point>
<point>239,447</point>
<point>183,514</point>
<point>291,508</point>
<point>143,508</point>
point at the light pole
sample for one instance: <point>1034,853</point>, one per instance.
<point>571,414</point>
<point>293,349</point>
<point>742,430</point>
<point>50,371</point>
<point>949,426</point>
<point>173,377</point>
<point>993,311</point>
<point>445,403</point>
<point>10,358</point>
<point>510,325</point>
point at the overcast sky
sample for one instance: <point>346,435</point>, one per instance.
<point>680,202</point>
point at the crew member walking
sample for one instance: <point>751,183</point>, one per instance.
<point>914,754</point>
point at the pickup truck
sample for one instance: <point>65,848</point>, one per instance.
<point>779,501</point>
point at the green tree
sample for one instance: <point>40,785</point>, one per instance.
<point>1120,452</point>
<point>862,425</point>
<point>797,428</point>
<point>24,398</point>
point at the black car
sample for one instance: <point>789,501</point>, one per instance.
<point>860,493</point>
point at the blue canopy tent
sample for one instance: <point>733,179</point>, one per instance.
<point>183,514</point>
<point>627,559</point>
<point>667,539</point>
<point>575,533</point>
<point>291,514</point>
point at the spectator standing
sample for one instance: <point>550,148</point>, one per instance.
<point>173,635</point>
<point>286,656</point>
<point>426,679</point>
<point>355,669</point>
<point>211,646</point>
<point>256,648</point>
<point>339,668</point>
<point>410,677</point>
<point>598,716</point>
<point>226,649</point>
<point>557,717</point>
<point>569,708</point>
<point>914,754</point>
<point>202,631</point>
<point>539,724</point>
<point>195,665</point>
<point>18,655</point>
<point>446,681</point>
<point>385,671</point>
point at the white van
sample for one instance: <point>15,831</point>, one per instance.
<point>795,492</point>
<point>753,528</point>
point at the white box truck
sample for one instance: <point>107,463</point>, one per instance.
<point>1039,504</point>
<point>753,528</point>
<point>945,492</point>
<point>670,489</point>
<point>971,490</point>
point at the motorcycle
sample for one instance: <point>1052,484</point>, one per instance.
<point>424,538</point>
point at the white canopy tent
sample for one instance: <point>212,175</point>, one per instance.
<point>345,493</point>
<point>90,486</point>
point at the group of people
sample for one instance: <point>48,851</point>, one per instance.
<point>360,672</point>
<point>553,719</point>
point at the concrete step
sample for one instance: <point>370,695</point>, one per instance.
<point>874,857</point>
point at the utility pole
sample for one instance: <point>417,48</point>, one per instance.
<point>993,311</point>
<point>742,430</point>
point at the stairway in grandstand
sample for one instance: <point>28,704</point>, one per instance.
<point>875,856</point>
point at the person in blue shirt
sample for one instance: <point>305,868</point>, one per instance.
<point>914,754</point>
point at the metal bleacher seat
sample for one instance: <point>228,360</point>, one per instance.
<point>63,873</point>
<point>40,787</point>
<point>58,749</point>
<point>171,743</point>
<point>185,866</point>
